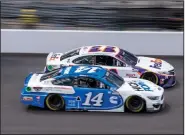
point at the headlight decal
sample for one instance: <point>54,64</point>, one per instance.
<point>153,97</point>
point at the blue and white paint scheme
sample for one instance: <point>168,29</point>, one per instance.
<point>110,96</point>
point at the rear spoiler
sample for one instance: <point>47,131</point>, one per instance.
<point>27,79</point>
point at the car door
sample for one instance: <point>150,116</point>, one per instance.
<point>95,98</point>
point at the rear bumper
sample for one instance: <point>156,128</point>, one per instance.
<point>33,100</point>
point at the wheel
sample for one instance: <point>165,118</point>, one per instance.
<point>54,102</point>
<point>135,104</point>
<point>150,77</point>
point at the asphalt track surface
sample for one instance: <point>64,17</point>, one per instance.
<point>16,118</point>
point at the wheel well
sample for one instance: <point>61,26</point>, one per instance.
<point>146,73</point>
<point>53,94</point>
<point>125,108</point>
<point>152,74</point>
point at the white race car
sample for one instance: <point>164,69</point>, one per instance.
<point>90,88</point>
<point>117,60</point>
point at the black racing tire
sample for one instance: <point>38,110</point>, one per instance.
<point>150,77</point>
<point>55,102</point>
<point>135,104</point>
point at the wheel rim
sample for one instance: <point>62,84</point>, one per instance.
<point>151,78</point>
<point>54,102</point>
<point>135,104</point>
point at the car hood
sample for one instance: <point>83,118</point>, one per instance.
<point>140,86</point>
<point>153,64</point>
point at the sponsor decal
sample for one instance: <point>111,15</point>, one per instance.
<point>104,49</point>
<point>67,70</point>
<point>157,63</point>
<point>28,98</point>
<point>131,75</point>
<point>140,86</point>
<point>72,103</point>
<point>135,70</point>
<point>52,89</point>
<point>37,88</point>
<point>38,97</point>
<point>113,100</point>
<point>62,88</point>
<point>162,81</point>
<point>46,82</point>
<point>54,56</point>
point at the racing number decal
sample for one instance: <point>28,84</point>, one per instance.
<point>104,49</point>
<point>67,70</point>
<point>140,86</point>
<point>157,63</point>
<point>54,56</point>
<point>97,100</point>
<point>81,69</point>
<point>91,69</point>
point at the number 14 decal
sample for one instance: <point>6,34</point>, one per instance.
<point>91,69</point>
<point>97,100</point>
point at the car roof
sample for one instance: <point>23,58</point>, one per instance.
<point>99,49</point>
<point>98,71</point>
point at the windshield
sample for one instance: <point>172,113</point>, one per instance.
<point>114,79</point>
<point>70,54</point>
<point>51,74</point>
<point>127,57</point>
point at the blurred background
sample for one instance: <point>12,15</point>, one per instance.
<point>161,15</point>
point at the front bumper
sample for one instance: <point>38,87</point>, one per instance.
<point>154,106</point>
<point>169,81</point>
<point>156,109</point>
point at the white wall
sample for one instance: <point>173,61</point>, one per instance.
<point>45,41</point>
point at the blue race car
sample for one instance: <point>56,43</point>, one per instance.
<point>90,88</point>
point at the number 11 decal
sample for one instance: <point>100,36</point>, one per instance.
<point>97,100</point>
